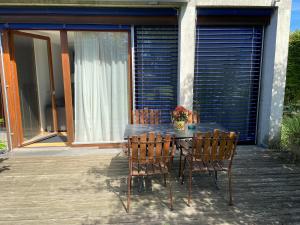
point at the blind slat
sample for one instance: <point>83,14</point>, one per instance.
<point>227,74</point>
<point>156,59</point>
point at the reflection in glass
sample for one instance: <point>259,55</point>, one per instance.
<point>31,56</point>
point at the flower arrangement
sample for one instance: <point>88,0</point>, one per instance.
<point>180,114</point>
<point>179,117</point>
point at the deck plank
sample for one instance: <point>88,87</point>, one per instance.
<point>91,189</point>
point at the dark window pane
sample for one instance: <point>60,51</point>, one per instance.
<point>227,72</point>
<point>156,59</point>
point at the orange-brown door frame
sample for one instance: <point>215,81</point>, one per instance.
<point>68,91</point>
<point>65,59</point>
<point>12,91</point>
<point>15,89</point>
<point>4,97</point>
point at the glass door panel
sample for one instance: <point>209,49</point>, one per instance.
<point>28,88</point>
<point>99,85</point>
<point>31,56</point>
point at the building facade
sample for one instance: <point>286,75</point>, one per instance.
<point>224,59</point>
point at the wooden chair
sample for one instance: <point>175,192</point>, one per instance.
<point>147,116</point>
<point>211,153</point>
<point>144,116</point>
<point>193,118</point>
<point>150,154</point>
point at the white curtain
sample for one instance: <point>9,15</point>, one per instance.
<point>101,99</point>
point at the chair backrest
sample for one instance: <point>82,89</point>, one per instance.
<point>151,148</point>
<point>193,118</point>
<point>147,116</point>
<point>216,146</point>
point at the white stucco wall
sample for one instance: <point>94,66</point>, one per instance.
<point>274,74</point>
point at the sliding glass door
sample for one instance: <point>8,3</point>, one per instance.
<point>32,57</point>
<point>99,73</point>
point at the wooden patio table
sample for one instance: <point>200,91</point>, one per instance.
<point>138,129</point>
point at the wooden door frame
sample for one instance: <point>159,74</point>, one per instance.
<point>10,87</point>
<point>16,88</point>
<point>68,89</point>
<point>4,96</point>
<point>65,59</point>
<point>13,91</point>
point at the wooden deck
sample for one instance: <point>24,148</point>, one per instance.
<point>90,189</point>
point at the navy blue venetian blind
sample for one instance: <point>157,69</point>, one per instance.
<point>227,74</point>
<point>156,60</point>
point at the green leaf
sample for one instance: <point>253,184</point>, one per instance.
<point>292,92</point>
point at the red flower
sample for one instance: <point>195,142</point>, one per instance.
<point>180,108</point>
<point>180,114</point>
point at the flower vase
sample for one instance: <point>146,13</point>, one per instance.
<point>179,125</point>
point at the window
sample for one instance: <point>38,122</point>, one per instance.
<point>227,73</point>
<point>156,59</point>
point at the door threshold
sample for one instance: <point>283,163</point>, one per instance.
<point>38,138</point>
<point>41,145</point>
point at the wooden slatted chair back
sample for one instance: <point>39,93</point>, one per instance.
<point>216,146</point>
<point>147,116</point>
<point>150,154</point>
<point>151,148</point>
<point>193,118</point>
<point>208,153</point>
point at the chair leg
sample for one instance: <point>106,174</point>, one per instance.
<point>140,183</point>
<point>215,178</point>
<point>128,192</point>
<point>180,168</point>
<point>170,192</point>
<point>182,171</point>
<point>190,187</point>
<point>230,188</point>
<point>165,180</point>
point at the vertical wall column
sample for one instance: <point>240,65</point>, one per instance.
<point>274,74</point>
<point>187,30</point>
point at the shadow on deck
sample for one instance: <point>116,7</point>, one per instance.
<point>91,189</point>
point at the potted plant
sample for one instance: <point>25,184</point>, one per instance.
<point>179,117</point>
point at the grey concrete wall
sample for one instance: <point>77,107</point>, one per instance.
<point>234,3</point>
<point>187,32</point>
<point>267,80</point>
<point>274,74</point>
